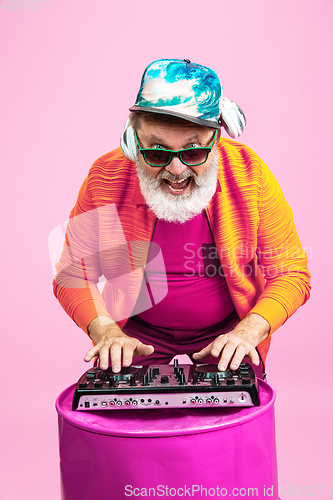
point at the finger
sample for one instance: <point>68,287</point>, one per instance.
<point>104,354</point>
<point>242,351</point>
<point>128,350</point>
<point>92,353</point>
<point>213,349</point>
<point>238,357</point>
<point>206,351</point>
<point>254,356</point>
<point>116,349</point>
<point>219,344</point>
<point>227,354</point>
<point>144,349</point>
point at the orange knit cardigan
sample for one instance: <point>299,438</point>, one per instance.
<point>110,230</point>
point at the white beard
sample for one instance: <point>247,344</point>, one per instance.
<point>183,207</point>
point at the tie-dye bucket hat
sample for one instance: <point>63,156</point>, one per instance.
<point>183,89</point>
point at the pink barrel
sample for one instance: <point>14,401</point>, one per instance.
<point>194,453</point>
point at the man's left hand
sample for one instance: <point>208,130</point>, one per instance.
<point>239,342</point>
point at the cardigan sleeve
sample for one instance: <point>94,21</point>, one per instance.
<point>281,257</point>
<point>78,271</point>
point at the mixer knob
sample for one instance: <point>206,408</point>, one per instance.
<point>83,386</point>
<point>145,380</point>
<point>98,385</point>
<point>182,380</point>
<point>133,382</point>
<point>216,379</point>
<point>164,379</point>
<point>175,363</point>
<point>195,378</point>
<point>230,381</point>
<point>112,383</point>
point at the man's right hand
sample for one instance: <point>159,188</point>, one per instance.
<point>113,344</point>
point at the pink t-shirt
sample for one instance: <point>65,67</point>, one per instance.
<point>197,296</point>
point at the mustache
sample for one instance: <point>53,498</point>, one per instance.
<point>164,174</point>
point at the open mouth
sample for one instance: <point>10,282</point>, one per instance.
<point>178,186</point>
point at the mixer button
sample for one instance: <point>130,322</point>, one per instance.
<point>83,386</point>
<point>230,381</point>
<point>164,379</point>
<point>98,385</point>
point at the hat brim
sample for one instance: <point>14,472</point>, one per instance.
<point>193,119</point>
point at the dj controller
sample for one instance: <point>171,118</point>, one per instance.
<point>166,386</point>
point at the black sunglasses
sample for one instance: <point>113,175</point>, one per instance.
<point>163,157</point>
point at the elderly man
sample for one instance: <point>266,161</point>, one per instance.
<point>190,230</point>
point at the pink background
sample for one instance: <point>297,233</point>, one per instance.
<point>68,78</point>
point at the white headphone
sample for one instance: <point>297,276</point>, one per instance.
<point>231,118</point>
<point>128,142</point>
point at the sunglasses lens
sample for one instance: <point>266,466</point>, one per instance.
<point>160,158</point>
<point>194,156</point>
<point>156,158</point>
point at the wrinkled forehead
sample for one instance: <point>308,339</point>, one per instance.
<point>175,135</point>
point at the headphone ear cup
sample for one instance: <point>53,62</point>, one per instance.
<point>128,142</point>
<point>232,118</point>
